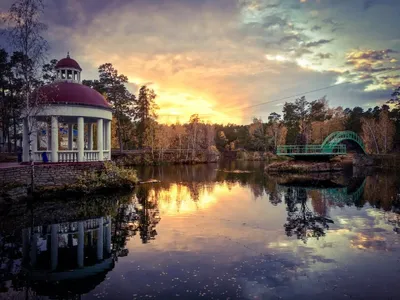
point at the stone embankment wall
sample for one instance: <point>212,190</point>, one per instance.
<point>14,181</point>
<point>58,174</point>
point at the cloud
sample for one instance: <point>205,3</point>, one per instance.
<point>316,28</point>
<point>300,52</point>
<point>368,64</point>
<point>324,55</point>
<point>335,26</point>
<point>274,21</point>
<point>318,43</point>
<point>369,3</point>
<point>290,38</point>
<point>367,68</point>
<point>370,56</point>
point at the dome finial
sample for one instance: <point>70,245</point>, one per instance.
<point>68,54</point>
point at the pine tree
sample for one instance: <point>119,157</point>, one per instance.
<point>112,85</point>
<point>144,111</point>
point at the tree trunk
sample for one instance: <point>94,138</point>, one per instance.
<point>15,134</point>
<point>180,146</point>
<point>121,146</point>
<point>9,140</point>
<point>385,139</point>
<point>374,138</point>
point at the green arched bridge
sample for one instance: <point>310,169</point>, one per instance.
<point>331,146</point>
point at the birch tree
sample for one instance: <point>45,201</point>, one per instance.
<point>387,130</point>
<point>369,128</point>
<point>180,133</point>
<point>193,128</point>
<point>25,34</point>
<point>379,134</point>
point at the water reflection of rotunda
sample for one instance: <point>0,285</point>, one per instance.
<point>68,250</point>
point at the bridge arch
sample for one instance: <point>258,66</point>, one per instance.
<point>338,137</point>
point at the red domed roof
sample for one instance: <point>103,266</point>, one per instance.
<point>70,93</point>
<point>68,63</point>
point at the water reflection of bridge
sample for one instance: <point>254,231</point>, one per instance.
<point>333,193</point>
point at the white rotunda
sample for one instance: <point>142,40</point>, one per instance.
<point>62,108</point>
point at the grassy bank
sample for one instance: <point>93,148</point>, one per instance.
<point>105,181</point>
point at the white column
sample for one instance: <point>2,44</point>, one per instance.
<point>81,139</point>
<point>108,235</point>
<point>100,138</point>
<point>54,139</point>
<point>90,136</point>
<point>70,136</point>
<point>109,138</point>
<point>48,136</point>
<point>100,239</point>
<point>25,141</point>
<point>34,136</point>
<point>81,244</point>
<point>104,135</point>
<point>54,246</point>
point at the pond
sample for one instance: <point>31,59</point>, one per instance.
<point>216,231</point>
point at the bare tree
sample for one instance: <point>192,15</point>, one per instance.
<point>369,127</point>
<point>387,131</point>
<point>180,133</point>
<point>193,134</point>
<point>379,134</point>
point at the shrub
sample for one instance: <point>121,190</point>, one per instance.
<point>110,176</point>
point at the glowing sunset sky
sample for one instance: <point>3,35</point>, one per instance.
<point>217,57</point>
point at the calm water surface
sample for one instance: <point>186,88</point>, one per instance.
<point>210,232</point>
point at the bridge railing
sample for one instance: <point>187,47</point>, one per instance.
<point>294,150</point>
<point>338,136</point>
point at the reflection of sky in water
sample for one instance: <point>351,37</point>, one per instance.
<point>225,238</point>
<point>228,243</point>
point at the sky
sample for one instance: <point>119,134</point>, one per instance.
<point>221,58</point>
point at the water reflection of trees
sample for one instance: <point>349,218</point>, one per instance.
<point>301,220</point>
<point>149,215</point>
<point>378,190</point>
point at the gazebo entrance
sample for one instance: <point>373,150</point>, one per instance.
<point>69,139</point>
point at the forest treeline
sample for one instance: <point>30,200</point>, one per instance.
<point>310,122</point>
<point>135,123</point>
